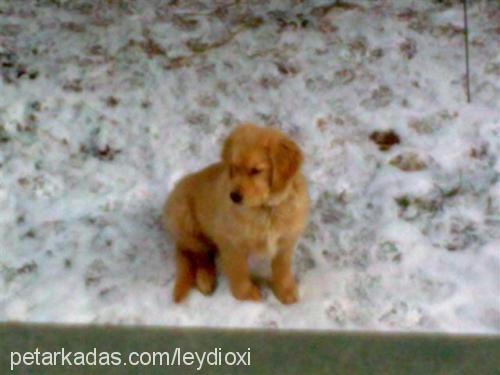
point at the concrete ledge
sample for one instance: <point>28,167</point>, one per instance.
<point>269,352</point>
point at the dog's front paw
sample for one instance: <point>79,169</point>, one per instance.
<point>247,292</point>
<point>286,291</point>
<point>205,281</point>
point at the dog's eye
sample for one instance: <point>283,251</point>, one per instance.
<point>254,171</point>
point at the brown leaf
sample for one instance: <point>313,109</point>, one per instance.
<point>408,162</point>
<point>385,140</point>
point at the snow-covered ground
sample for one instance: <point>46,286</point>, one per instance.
<point>105,104</point>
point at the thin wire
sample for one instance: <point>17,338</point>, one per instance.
<point>466,39</point>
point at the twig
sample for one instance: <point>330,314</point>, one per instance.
<point>466,39</point>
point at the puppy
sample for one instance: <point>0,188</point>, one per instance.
<point>254,201</point>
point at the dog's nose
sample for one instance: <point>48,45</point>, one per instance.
<point>236,196</point>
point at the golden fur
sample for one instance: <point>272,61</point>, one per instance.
<point>254,201</point>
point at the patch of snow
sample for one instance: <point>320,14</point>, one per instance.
<point>103,107</point>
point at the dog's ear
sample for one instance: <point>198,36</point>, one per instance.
<point>286,159</point>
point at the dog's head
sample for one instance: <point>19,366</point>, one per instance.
<point>260,162</point>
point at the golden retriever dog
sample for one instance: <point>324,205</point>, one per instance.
<point>254,201</point>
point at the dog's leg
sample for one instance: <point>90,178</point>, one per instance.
<point>283,281</point>
<point>184,279</point>
<point>235,266</point>
<point>205,271</point>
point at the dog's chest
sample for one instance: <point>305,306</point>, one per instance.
<point>267,233</point>
<point>260,232</point>
<point>268,244</point>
